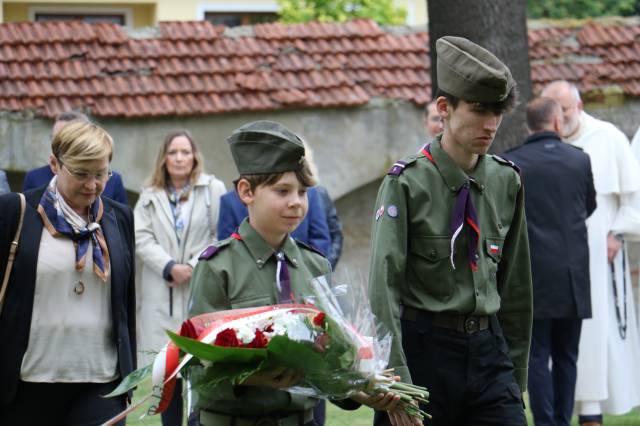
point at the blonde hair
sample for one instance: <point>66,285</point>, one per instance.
<point>79,142</point>
<point>160,177</point>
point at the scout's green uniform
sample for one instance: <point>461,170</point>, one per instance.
<point>410,250</point>
<point>242,274</point>
<point>450,273</point>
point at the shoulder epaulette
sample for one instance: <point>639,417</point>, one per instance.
<point>212,250</point>
<point>506,162</point>
<point>309,247</point>
<point>399,166</point>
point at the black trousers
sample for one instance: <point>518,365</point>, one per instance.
<point>551,392</point>
<point>172,416</point>
<point>470,377</point>
<point>62,404</point>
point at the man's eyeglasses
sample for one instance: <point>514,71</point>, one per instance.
<point>84,176</point>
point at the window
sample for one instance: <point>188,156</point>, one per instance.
<point>229,19</point>
<point>236,13</point>
<point>115,15</point>
<point>91,18</point>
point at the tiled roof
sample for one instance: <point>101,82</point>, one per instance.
<point>191,68</point>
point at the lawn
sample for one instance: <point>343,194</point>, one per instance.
<point>363,416</point>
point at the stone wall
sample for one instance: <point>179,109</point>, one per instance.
<point>352,147</point>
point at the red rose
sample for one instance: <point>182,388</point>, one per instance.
<point>319,320</point>
<point>227,338</point>
<point>188,330</point>
<point>259,341</point>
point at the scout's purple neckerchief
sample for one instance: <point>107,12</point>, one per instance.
<point>60,219</point>
<point>463,211</point>
<point>283,280</point>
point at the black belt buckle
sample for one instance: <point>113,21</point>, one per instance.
<point>471,324</point>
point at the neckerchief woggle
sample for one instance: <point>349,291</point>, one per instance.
<point>463,212</point>
<point>60,219</point>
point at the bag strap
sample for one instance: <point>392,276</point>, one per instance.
<point>12,250</point>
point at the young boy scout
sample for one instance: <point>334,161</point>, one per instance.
<point>450,272</point>
<point>262,265</point>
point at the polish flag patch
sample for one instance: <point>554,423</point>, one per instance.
<point>494,248</point>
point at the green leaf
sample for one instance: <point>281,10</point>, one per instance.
<point>131,381</point>
<point>295,356</point>
<point>234,373</point>
<point>208,352</point>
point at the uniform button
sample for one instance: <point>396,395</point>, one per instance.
<point>259,261</point>
<point>433,254</point>
<point>477,256</point>
<point>499,226</point>
<point>294,261</point>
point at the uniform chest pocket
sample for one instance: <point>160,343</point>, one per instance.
<point>429,265</point>
<point>432,249</point>
<point>251,301</point>
<point>493,247</point>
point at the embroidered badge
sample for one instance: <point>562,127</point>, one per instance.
<point>379,212</point>
<point>494,248</point>
<point>392,210</point>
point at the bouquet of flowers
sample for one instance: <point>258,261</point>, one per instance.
<point>331,338</point>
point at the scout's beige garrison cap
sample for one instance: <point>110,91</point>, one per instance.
<point>471,72</point>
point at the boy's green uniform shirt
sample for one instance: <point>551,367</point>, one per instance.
<point>241,274</point>
<point>410,250</point>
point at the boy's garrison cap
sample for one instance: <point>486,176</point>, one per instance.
<point>470,72</point>
<point>266,147</point>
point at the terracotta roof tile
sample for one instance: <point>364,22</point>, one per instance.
<point>193,68</point>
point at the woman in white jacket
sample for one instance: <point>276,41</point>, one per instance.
<point>175,220</point>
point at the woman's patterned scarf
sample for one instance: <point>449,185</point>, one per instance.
<point>177,199</point>
<point>61,220</point>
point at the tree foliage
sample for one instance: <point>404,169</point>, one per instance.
<point>384,12</point>
<point>560,9</point>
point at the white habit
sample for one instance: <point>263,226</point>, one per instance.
<point>609,366</point>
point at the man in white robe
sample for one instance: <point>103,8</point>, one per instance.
<point>609,354</point>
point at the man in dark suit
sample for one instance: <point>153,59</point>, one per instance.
<point>559,197</point>
<point>41,176</point>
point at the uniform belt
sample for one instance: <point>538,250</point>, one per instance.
<point>468,324</point>
<point>209,418</point>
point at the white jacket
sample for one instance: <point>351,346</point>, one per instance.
<point>156,246</point>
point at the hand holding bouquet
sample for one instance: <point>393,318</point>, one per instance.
<point>329,347</point>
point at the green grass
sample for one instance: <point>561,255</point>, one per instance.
<point>362,416</point>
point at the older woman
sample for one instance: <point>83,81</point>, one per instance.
<point>67,325</point>
<point>176,218</point>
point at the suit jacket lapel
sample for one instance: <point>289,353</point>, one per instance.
<point>26,262</point>
<point>116,254</point>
